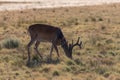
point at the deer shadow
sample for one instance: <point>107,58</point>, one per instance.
<point>36,62</point>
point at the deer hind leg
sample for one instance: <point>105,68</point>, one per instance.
<point>28,48</point>
<point>36,48</point>
<point>33,38</point>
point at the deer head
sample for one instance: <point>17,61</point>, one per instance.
<point>72,45</point>
<point>68,48</point>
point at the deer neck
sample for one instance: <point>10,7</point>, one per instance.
<point>66,50</point>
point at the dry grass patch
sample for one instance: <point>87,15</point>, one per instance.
<point>98,27</point>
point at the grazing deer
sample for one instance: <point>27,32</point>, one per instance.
<point>46,33</point>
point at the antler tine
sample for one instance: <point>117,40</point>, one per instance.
<point>78,40</point>
<point>77,43</point>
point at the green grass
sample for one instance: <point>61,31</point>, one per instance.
<point>11,44</point>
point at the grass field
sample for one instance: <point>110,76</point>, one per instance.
<point>98,27</point>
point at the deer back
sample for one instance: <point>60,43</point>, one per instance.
<point>44,32</point>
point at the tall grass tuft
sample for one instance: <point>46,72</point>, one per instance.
<point>11,43</point>
<point>56,73</point>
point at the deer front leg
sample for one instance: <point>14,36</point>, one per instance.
<point>53,46</point>
<point>51,50</point>
<point>56,50</point>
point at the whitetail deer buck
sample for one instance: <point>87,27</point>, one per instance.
<point>46,33</point>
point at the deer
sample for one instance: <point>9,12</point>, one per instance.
<point>54,35</point>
